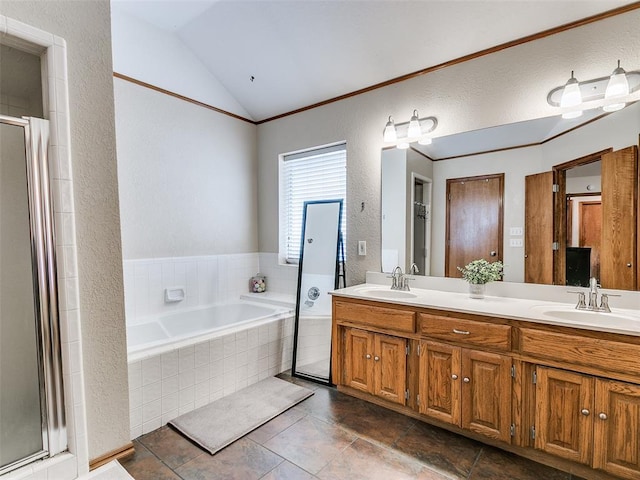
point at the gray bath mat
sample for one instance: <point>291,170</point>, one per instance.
<point>222,422</point>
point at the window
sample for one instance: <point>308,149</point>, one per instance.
<point>318,174</point>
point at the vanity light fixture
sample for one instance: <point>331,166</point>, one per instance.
<point>416,130</point>
<point>609,93</point>
<point>617,87</point>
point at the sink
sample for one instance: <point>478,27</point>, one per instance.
<point>589,317</point>
<point>391,294</point>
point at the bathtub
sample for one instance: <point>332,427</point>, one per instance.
<point>154,335</point>
<point>183,360</point>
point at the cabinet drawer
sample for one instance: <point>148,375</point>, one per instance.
<point>466,331</point>
<point>593,352</point>
<point>388,318</point>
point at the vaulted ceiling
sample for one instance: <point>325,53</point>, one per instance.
<point>275,56</point>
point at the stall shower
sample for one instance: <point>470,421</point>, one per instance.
<point>32,423</point>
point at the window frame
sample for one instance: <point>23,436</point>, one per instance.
<point>283,207</point>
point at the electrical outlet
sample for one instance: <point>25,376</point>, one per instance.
<point>516,242</point>
<point>362,247</point>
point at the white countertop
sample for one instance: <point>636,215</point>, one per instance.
<point>622,321</point>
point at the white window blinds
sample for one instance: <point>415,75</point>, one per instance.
<point>319,174</point>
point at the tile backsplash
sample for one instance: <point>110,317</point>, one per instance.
<point>205,279</point>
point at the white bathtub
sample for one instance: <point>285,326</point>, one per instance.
<point>175,330</point>
<point>186,359</point>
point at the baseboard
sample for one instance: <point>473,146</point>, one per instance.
<point>117,454</point>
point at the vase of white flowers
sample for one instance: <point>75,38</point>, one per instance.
<point>480,272</point>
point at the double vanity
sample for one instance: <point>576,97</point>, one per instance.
<point>541,379</point>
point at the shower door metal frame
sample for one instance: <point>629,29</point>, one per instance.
<point>45,286</point>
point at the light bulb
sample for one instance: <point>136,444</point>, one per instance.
<point>618,86</point>
<point>425,141</point>
<point>414,126</point>
<point>571,97</point>
<point>390,134</point>
<point>403,145</point>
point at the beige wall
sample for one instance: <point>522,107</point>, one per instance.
<point>85,25</point>
<point>187,177</point>
<point>504,87</point>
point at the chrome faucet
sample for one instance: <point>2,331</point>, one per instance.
<point>593,298</point>
<point>397,278</point>
<point>593,294</point>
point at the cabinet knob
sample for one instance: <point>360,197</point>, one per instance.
<point>603,416</point>
<point>493,253</point>
<point>368,356</point>
<point>454,376</point>
<point>466,379</point>
<point>376,358</point>
<point>629,264</point>
<point>585,412</point>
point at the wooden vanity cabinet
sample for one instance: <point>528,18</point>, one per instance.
<point>589,420</point>
<point>566,397</point>
<point>376,364</point>
<point>467,388</point>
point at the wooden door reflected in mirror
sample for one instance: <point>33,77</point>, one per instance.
<point>474,221</point>
<point>595,233</point>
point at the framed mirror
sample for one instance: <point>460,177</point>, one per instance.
<point>517,151</point>
<point>319,271</point>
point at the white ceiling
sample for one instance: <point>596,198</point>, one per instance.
<point>301,52</point>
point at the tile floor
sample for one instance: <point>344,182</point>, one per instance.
<point>333,436</point>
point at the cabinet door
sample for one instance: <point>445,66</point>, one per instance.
<point>617,428</point>
<point>358,354</point>
<point>564,414</point>
<point>439,382</point>
<point>390,368</point>
<point>486,394</point>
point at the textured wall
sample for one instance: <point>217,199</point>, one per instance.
<point>187,177</point>
<point>85,25</point>
<point>504,87</point>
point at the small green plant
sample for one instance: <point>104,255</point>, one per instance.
<point>481,272</point>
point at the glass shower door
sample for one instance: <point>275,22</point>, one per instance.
<point>21,413</point>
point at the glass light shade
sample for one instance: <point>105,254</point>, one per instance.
<point>403,145</point>
<point>618,86</point>
<point>425,141</point>
<point>414,130</point>
<point>571,97</point>
<point>390,134</point>
<point>574,114</point>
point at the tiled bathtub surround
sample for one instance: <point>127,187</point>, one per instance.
<point>206,279</point>
<point>161,387</point>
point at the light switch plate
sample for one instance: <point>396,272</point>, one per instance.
<point>362,247</point>
<point>515,242</point>
<point>515,231</point>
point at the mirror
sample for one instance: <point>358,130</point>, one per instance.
<point>517,150</point>
<point>406,211</point>
<point>318,274</point>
